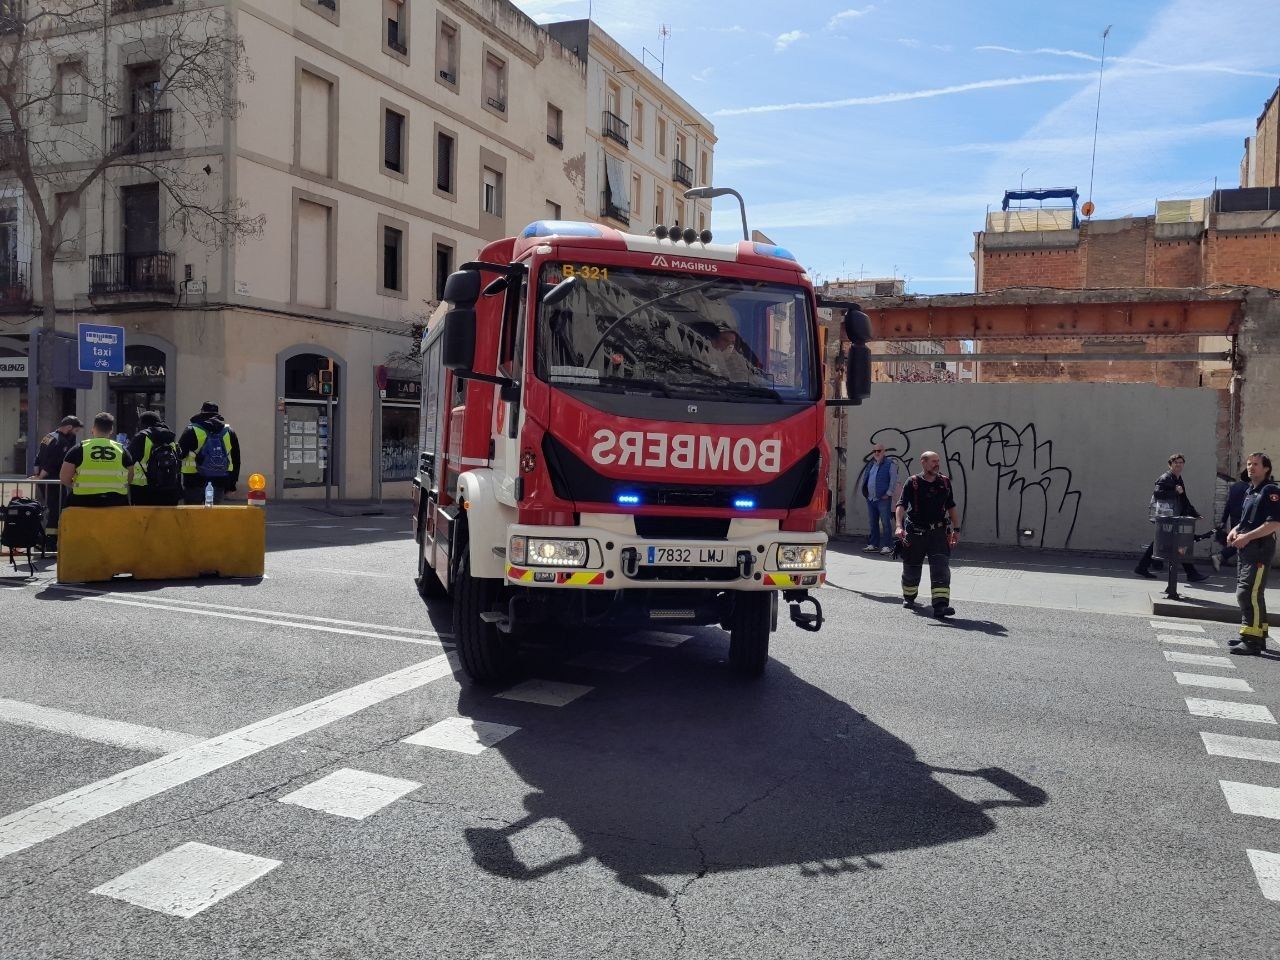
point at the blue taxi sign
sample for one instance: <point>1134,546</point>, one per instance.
<point>101,348</point>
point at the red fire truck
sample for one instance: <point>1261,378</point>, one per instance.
<point>623,431</point>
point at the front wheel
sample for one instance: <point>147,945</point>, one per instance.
<point>749,627</point>
<point>488,656</point>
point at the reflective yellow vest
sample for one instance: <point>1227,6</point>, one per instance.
<point>189,462</point>
<point>101,469</point>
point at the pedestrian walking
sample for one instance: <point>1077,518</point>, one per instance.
<point>98,470</point>
<point>1254,537</point>
<point>881,488</point>
<point>210,452</point>
<point>923,512</point>
<point>1169,499</point>
<point>1231,514</point>
<point>157,474</point>
<point>48,466</point>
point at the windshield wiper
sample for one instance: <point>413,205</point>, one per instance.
<point>655,387</point>
<point>731,388</point>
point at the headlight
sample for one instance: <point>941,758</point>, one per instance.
<point>555,553</point>
<point>516,550</point>
<point>801,556</point>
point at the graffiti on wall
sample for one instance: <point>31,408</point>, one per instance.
<point>999,472</point>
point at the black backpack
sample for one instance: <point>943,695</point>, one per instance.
<point>164,469</point>
<point>23,529</point>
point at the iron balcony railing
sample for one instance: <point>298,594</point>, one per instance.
<point>397,40</point>
<point>615,128</point>
<point>134,6</point>
<point>681,172</point>
<point>148,132</point>
<point>111,273</point>
<point>555,141</point>
<point>14,289</point>
<point>611,209</point>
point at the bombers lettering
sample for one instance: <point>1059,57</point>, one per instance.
<point>697,266</point>
<point>685,451</point>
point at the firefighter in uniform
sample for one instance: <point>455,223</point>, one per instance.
<point>1254,537</point>
<point>98,470</point>
<point>922,513</point>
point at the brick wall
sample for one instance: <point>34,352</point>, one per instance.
<point>1161,373</point>
<point>1248,258</point>
<point>1115,258</point>
<point>1175,263</point>
<point>1062,269</point>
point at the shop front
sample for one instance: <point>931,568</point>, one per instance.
<point>139,388</point>
<point>400,396</point>
<point>310,405</point>
<point>13,407</point>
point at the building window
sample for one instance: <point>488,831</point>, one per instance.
<point>555,126</point>
<point>704,169</point>
<point>637,120</point>
<point>326,8</point>
<point>615,203</point>
<point>446,148</point>
<point>659,205</point>
<point>682,148</point>
<point>313,249</point>
<point>444,267</point>
<point>391,258</point>
<point>553,210</point>
<point>662,137</point>
<point>447,53</point>
<point>613,99</point>
<point>495,84</point>
<point>637,185</point>
<point>69,101</point>
<point>394,128</point>
<point>396,40</point>
<point>316,124</point>
<point>491,199</point>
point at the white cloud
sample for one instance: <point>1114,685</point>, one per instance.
<point>787,39</point>
<point>911,42</point>
<point>847,16</point>
<point>703,75</point>
<point>1135,139</point>
<point>1118,59</point>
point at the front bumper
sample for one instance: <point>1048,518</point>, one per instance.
<point>614,562</point>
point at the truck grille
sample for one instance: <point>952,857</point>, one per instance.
<point>682,528</point>
<point>687,574</point>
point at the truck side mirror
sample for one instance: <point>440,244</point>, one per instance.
<point>857,377</point>
<point>857,326</point>
<point>458,350</point>
<point>462,288</point>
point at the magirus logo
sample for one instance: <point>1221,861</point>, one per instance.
<point>697,266</point>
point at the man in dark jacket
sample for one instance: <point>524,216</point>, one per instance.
<point>210,452</point>
<point>149,488</point>
<point>54,448</point>
<point>1170,500</point>
<point>1231,514</point>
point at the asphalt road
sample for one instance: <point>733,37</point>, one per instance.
<point>220,770</point>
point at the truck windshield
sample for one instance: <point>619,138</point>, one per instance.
<point>623,330</point>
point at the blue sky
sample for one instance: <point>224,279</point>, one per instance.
<point>871,137</point>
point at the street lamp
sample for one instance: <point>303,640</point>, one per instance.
<point>710,193</point>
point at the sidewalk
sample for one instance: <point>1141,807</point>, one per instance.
<point>1055,581</point>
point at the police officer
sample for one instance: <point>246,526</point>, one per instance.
<point>53,450</point>
<point>1254,537</point>
<point>98,470</point>
<point>922,513</point>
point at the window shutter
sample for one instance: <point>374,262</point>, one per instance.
<point>393,146</point>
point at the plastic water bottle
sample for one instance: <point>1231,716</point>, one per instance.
<point>208,494</point>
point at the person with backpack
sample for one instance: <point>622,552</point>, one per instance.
<point>54,447</point>
<point>210,452</point>
<point>157,476</point>
<point>922,515</point>
<point>98,470</point>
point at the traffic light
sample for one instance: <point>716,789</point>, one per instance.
<point>326,383</point>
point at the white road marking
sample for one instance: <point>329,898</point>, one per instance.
<point>351,793</point>
<point>1199,659</point>
<point>462,735</point>
<point>1229,710</point>
<point>548,693</point>
<point>354,573</point>
<point>366,530</point>
<point>608,661</point>
<point>321,526</point>
<point>99,729</point>
<point>1208,680</point>
<point>1186,627</point>
<point>1266,867</point>
<point>382,627</point>
<point>1252,800</point>
<point>1242,748</point>
<point>187,879</point>
<point>1188,641</point>
<point>51,818</point>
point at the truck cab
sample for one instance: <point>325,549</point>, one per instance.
<point>622,431</point>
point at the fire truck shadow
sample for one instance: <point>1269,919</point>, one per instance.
<point>679,770</point>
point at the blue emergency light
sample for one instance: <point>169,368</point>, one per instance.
<point>743,503</point>
<point>561,228</point>
<point>629,499</point>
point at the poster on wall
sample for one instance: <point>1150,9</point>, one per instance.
<point>303,467</point>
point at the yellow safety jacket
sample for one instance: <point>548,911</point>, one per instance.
<point>189,461</point>
<point>101,469</point>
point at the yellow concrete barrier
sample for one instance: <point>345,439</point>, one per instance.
<point>161,543</point>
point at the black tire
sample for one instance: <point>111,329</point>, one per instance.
<point>488,657</point>
<point>429,585</point>
<point>749,629</point>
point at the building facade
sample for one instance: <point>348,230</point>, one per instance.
<point>382,143</point>
<point>645,144</point>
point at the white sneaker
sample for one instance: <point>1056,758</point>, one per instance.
<point>868,549</point>
<point>885,551</point>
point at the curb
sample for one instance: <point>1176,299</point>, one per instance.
<point>1209,610</point>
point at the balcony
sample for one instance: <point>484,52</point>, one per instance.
<point>136,6</point>
<point>397,39</point>
<point>681,172</point>
<point>126,279</point>
<point>614,212</point>
<point>148,132</point>
<point>555,141</point>
<point>615,128</point>
<point>15,291</point>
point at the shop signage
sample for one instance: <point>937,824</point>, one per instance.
<point>402,390</point>
<point>101,348</point>
<point>13,368</point>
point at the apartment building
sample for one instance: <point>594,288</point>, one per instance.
<point>383,142</point>
<point>645,144</point>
